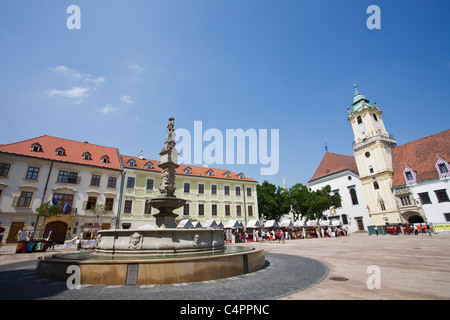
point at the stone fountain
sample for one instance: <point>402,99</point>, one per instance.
<point>157,256</point>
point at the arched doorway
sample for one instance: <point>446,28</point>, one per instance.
<point>415,219</point>
<point>59,229</point>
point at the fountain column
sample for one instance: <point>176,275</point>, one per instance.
<point>168,201</point>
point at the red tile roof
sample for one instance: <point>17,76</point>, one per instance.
<point>421,156</point>
<point>196,171</point>
<point>333,163</point>
<point>74,151</point>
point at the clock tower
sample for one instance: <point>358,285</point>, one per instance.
<point>372,149</point>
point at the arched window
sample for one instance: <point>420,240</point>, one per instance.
<point>376,186</point>
<point>359,119</point>
<point>354,196</point>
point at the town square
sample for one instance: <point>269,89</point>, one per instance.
<point>229,153</point>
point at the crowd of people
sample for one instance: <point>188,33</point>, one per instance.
<point>280,235</point>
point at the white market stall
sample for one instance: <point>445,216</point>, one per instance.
<point>252,231</point>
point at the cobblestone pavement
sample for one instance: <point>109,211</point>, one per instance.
<point>408,268</point>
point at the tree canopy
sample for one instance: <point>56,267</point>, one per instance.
<point>274,202</point>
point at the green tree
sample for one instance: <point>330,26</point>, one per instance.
<point>312,204</point>
<point>272,201</point>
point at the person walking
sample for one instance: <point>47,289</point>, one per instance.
<point>376,230</point>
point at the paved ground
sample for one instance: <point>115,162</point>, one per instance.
<point>408,268</point>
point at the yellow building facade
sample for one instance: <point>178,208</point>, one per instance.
<point>211,194</point>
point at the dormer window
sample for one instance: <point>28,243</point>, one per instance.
<point>86,156</point>
<point>60,152</point>
<point>105,159</point>
<point>36,147</point>
<point>131,163</point>
<point>227,174</point>
<point>210,173</point>
<point>149,165</point>
<point>188,170</point>
<point>241,175</point>
<point>443,168</point>
<point>409,175</point>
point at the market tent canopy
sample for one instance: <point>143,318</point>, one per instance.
<point>185,223</point>
<point>233,224</point>
<point>271,223</point>
<point>287,224</point>
<point>211,224</point>
<point>220,224</point>
<point>253,224</point>
<point>312,223</point>
<point>197,224</point>
<point>300,223</point>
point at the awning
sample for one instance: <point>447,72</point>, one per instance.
<point>185,223</point>
<point>271,224</point>
<point>286,224</point>
<point>233,224</point>
<point>211,224</point>
<point>197,224</point>
<point>312,223</point>
<point>253,224</point>
<point>300,223</point>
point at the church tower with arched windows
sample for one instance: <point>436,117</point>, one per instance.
<point>372,149</point>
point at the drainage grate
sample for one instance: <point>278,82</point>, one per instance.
<point>338,278</point>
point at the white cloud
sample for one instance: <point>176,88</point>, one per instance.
<point>75,92</point>
<point>126,99</point>
<point>137,69</point>
<point>108,109</point>
<point>79,76</point>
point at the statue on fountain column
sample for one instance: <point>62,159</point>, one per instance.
<point>168,164</point>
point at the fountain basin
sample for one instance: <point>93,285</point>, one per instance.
<point>153,269</point>
<point>158,241</point>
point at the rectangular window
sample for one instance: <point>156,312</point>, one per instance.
<point>201,209</point>
<point>406,201</point>
<point>68,177</point>
<point>63,199</point>
<point>447,216</point>
<point>187,187</point>
<point>32,173</point>
<point>250,211</point>
<point>95,180</point>
<point>227,190</point>
<point>238,211</point>
<point>130,182</point>
<point>238,191</point>
<point>201,188</point>
<point>227,210</point>
<point>4,169</point>
<point>214,209</point>
<point>91,203</point>
<point>424,198</point>
<point>112,182</point>
<point>442,195</point>
<point>150,183</point>
<point>249,192</point>
<point>186,209</point>
<point>24,199</point>
<point>213,189</point>
<point>109,204</point>
<point>409,175</point>
<point>127,207</point>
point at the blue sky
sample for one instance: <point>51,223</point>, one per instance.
<point>260,64</point>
